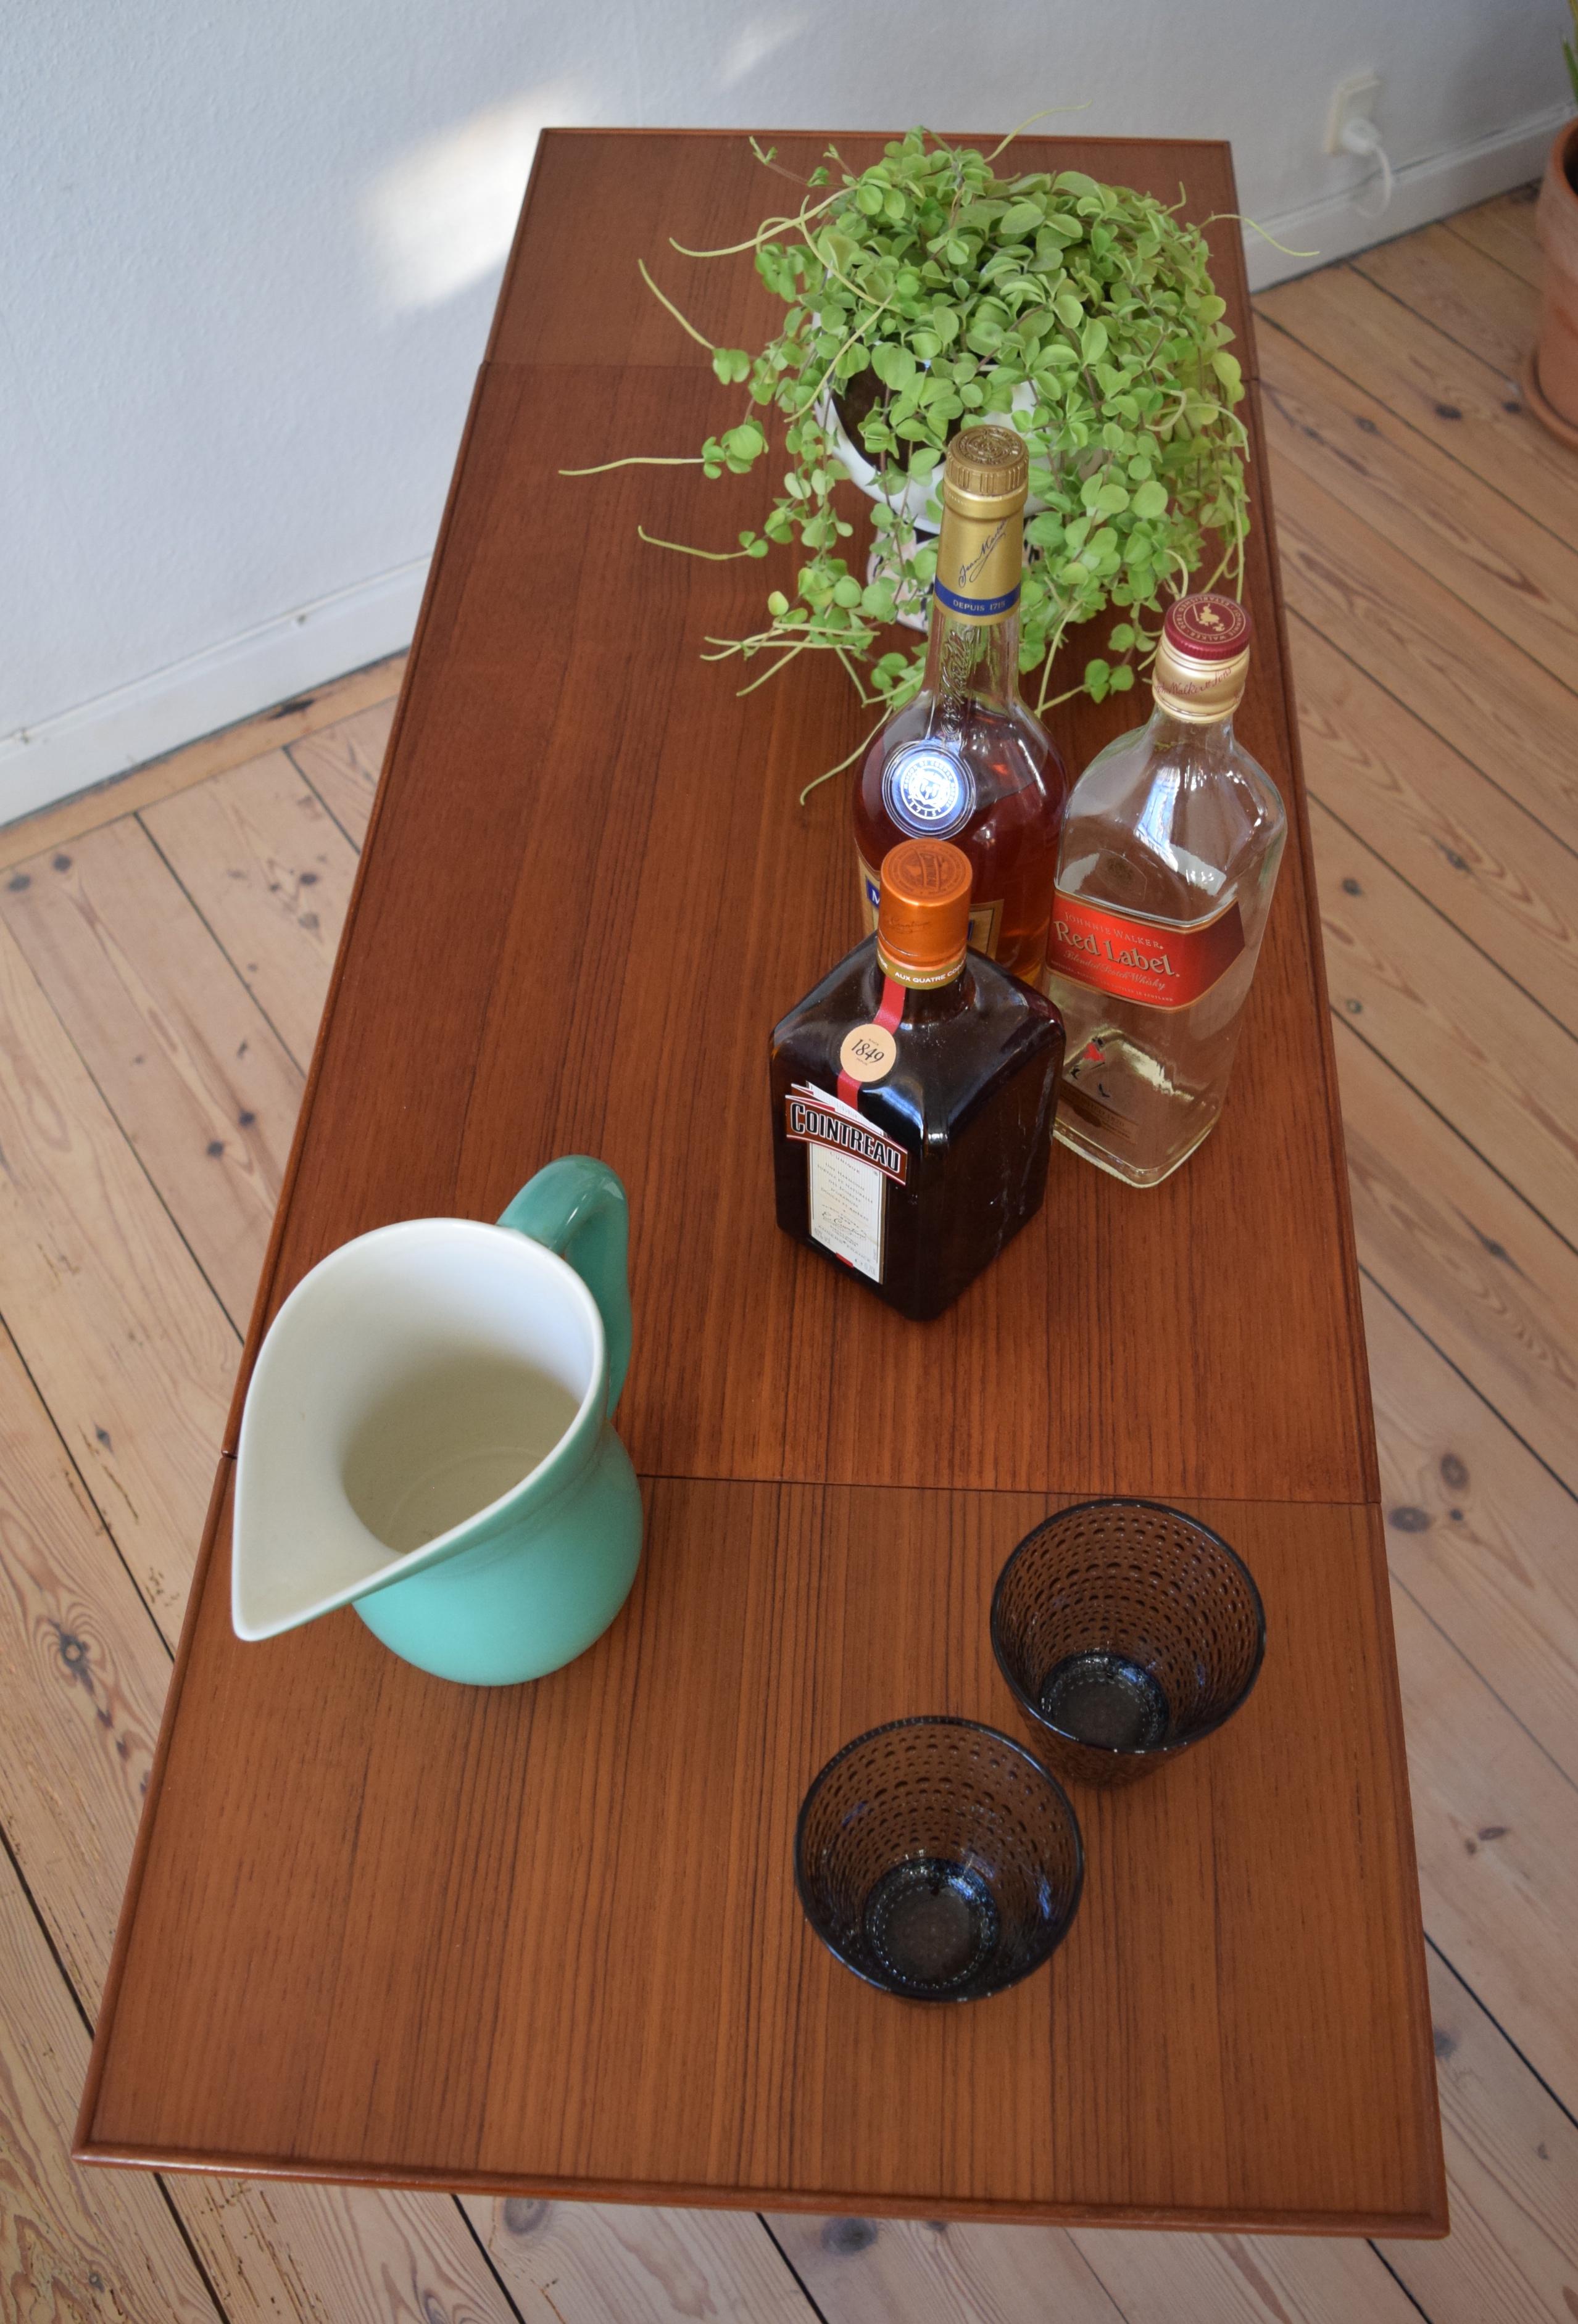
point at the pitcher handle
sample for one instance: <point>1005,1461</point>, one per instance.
<point>578,1207</point>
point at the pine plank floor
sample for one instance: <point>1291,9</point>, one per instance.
<point>164,946</point>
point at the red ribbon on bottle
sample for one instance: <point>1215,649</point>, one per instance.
<point>888,1017</point>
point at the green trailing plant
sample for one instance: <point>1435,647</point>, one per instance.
<point>1570,50</point>
<point>926,292</point>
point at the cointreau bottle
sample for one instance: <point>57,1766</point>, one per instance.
<point>966,760</point>
<point>914,1092</point>
<point>1169,856</point>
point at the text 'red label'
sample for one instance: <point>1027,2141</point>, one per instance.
<point>1150,961</point>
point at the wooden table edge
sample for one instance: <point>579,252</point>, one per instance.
<point>1298,807</point>
<point>110,1994</point>
<point>85,2149</point>
<point>266,1278</point>
<point>688,2196</point>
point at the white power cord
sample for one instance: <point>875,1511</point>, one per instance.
<point>1361,137</point>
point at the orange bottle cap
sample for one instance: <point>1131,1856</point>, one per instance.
<point>923,919</point>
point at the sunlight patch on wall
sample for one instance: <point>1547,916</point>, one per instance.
<point>441,217</point>
<point>757,40</point>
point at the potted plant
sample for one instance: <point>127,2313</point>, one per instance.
<point>1550,374</point>
<point>924,293</point>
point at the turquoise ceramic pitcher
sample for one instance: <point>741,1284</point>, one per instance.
<point>427,1438</point>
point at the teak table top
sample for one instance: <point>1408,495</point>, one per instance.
<point>545,1939</point>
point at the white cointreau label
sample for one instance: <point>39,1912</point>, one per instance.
<point>850,1164</point>
<point>986,919</point>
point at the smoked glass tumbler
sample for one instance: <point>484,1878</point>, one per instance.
<point>1128,1632</point>
<point>939,1859</point>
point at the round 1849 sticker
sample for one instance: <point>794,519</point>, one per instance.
<point>928,788</point>
<point>868,1053</point>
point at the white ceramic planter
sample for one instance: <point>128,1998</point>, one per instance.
<point>918,499</point>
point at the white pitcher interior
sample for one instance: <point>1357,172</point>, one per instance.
<point>412,1381</point>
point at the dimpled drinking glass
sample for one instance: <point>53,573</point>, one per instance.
<point>1128,1632</point>
<point>938,1859</point>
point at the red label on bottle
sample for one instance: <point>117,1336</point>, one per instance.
<point>1151,961</point>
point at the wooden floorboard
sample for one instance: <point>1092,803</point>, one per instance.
<point>195,1074</point>
<point>1479,1532</point>
<point>70,2245</point>
<point>1466,407</point>
<point>1458,1030</point>
<point>342,764</point>
<point>164,946</point>
<point>1439,823</point>
<point>1466,292</point>
<point>304,714</point>
<point>110,1312</point>
<point>608,2264</point>
<point>897,2271</point>
<point>1503,228</point>
<point>1521,581</point>
<point>269,871</point>
<point>1468,685</point>
<point>1513,2156</point>
<point>1460,1251</point>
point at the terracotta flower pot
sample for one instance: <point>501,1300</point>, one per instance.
<point>1550,376</point>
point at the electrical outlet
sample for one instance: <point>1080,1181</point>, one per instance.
<point>1354,100</point>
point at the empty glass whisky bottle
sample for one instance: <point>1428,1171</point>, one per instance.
<point>1169,856</point>
<point>913,1095</point>
<point>967,760</point>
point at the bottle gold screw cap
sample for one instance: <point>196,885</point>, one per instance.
<point>987,472</point>
<point>923,919</point>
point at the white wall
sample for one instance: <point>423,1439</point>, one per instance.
<point>249,248</point>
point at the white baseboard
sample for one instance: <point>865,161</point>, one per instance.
<point>213,689</point>
<point>1424,190</point>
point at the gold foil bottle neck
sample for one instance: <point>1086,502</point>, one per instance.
<point>987,472</point>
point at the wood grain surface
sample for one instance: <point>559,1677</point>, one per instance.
<point>636,897</point>
<point>1481,859</point>
<point>141,1439</point>
<point>265,856</point>
<point>1448,393</point>
<point>1503,229</point>
<point>1520,579</point>
<point>185,1059</point>
<point>1471,297</point>
<point>597,1870</point>
<point>544,1940</point>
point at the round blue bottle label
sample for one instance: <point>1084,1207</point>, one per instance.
<point>928,789</point>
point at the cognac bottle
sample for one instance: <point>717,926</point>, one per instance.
<point>966,760</point>
<point>1169,856</point>
<point>914,1092</point>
